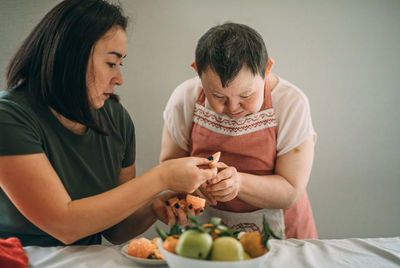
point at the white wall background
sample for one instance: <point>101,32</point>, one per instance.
<point>343,54</point>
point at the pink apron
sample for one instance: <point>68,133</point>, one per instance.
<point>248,144</point>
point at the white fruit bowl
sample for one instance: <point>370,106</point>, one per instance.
<point>176,261</point>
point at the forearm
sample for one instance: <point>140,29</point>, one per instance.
<point>94,214</point>
<point>44,201</point>
<point>284,188</point>
<point>134,225</point>
<point>269,191</point>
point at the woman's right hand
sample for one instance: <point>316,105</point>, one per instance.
<point>184,174</point>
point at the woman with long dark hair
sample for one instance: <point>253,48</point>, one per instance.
<point>67,146</point>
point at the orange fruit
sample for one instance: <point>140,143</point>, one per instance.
<point>252,244</point>
<point>214,159</point>
<point>170,243</point>
<point>141,248</point>
<point>172,201</point>
<point>182,203</point>
<point>196,202</point>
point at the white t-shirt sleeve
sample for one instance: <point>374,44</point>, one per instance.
<point>178,114</point>
<point>292,111</point>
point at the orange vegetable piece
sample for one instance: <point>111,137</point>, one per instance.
<point>170,243</point>
<point>141,248</point>
<point>196,202</point>
<point>215,159</point>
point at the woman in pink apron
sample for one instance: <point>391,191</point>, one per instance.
<point>233,113</point>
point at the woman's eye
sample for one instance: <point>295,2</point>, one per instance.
<point>245,97</point>
<point>111,64</point>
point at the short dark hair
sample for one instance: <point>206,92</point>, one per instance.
<point>52,61</point>
<point>227,48</point>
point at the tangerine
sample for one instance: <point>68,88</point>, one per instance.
<point>141,248</point>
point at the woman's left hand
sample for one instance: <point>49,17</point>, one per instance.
<point>170,215</point>
<point>225,185</point>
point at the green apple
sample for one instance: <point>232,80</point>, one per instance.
<point>194,244</point>
<point>227,248</point>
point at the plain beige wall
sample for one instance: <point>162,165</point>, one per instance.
<point>343,54</point>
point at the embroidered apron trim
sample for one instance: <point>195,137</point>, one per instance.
<point>223,124</point>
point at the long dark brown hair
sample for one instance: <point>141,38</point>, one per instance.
<point>52,61</point>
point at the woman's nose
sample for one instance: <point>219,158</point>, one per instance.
<point>118,80</point>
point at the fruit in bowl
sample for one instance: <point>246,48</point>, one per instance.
<point>214,245</point>
<point>227,248</point>
<point>194,244</point>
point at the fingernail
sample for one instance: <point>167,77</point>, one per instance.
<point>176,205</point>
<point>190,206</point>
<point>167,203</point>
<point>210,158</point>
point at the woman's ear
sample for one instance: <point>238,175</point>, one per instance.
<point>270,63</point>
<point>194,66</point>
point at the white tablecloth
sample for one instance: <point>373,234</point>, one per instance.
<point>353,252</point>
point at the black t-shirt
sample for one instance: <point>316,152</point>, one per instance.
<point>87,164</point>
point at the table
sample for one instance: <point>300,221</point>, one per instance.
<point>352,252</point>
